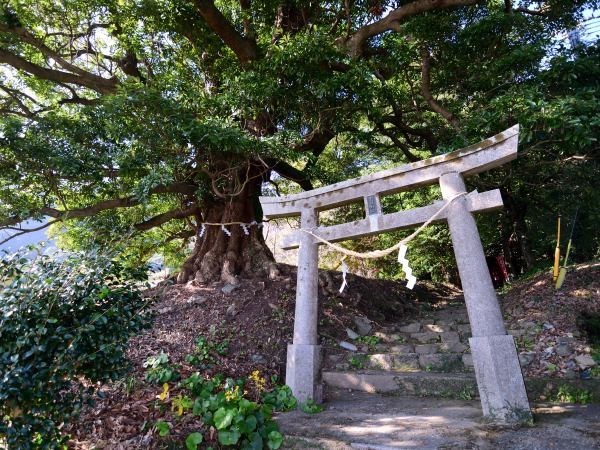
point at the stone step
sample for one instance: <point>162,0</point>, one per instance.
<point>423,384</point>
<point>455,385</point>
<point>432,362</point>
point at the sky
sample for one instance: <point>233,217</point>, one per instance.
<point>26,239</point>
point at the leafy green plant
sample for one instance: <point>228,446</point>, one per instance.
<point>280,398</point>
<point>207,351</point>
<point>63,318</point>
<point>310,407</point>
<point>570,394</point>
<point>358,361</point>
<point>193,441</point>
<point>158,369</point>
<point>239,422</point>
<point>370,341</point>
<point>465,394</point>
<point>181,403</point>
<point>163,428</point>
<point>525,343</point>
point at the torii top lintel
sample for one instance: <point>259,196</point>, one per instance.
<point>489,153</point>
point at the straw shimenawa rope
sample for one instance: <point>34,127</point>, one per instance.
<point>374,254</point>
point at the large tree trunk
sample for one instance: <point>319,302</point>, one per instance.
<point>219,257</point>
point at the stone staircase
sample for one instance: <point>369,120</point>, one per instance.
<point>426,357</point>
<point>429,356</point>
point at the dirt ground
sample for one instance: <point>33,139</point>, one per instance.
<point>254,321</point>
<point>356,420</point>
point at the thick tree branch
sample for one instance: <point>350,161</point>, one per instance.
<point>355,44</point>
<point>90,81</point>
<point>290,173</point>
<point>397,142</point>
<point>25,36</point>
<point>244,48</point>
<point>166,217</point>
<point>426,90</point>
<point>88,211</point>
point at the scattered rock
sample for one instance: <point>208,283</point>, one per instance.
<point>363,325</point>
<point>351,334</point>
<point>570,374</point>
<point>348,346</point>
<point>232,310</point>
<point>411,328</point>
<point>585,361</point>
<point>566,340</point>
<point>229,288</point>
<point>529,325</point>
<point>563,349</point>
<point>257,358</point>
<point>548,326</point>
<point>197,300</point>
<point>165,310</point>
<point>526,358</point>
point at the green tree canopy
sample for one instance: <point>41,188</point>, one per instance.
<point>139,120</point>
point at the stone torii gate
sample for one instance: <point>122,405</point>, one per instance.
<point>496,364</point>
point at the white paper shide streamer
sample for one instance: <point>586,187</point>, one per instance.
<point>225,230</point>
<point>344,272</point>
<point>410,278</point>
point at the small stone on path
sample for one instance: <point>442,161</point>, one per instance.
<point>229,288</point>
<point>585,361</point>
<point>348,346</point>
<point>363,325</point>
<point>351,334</point>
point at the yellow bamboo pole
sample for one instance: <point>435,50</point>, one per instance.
<point>556,254</point>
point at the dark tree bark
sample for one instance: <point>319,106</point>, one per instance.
<point>216,255</point>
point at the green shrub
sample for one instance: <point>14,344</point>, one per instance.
<point>280,398</point>
<point>239,422</point>
<point>158,369</point>
<point>571,394</point>
<point>62,319</point>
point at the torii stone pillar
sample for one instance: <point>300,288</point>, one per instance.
<point>497,369</point>
<point>304,355</point>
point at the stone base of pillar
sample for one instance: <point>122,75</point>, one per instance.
<point>303,372</point>
<point>500,380</point>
